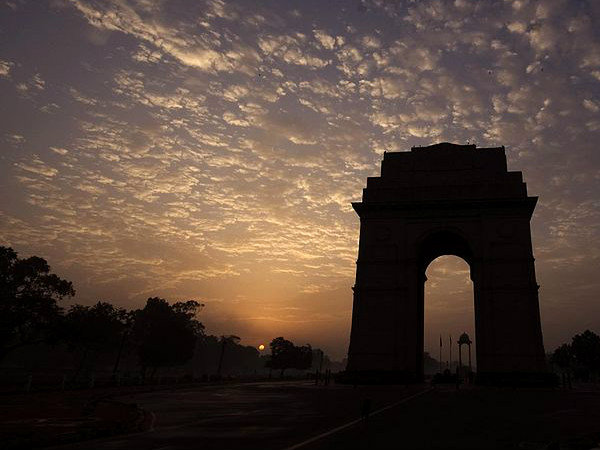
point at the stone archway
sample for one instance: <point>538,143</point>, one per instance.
<point>435,243</point>
<point>445,199</point>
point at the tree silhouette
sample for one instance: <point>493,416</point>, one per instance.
<point>285,355</point>
<point>231,339</point>
<point>586,351</point>
<point>562,357</point>
<point>91,330</point>
<point>304,356</point>
<point>28,300</point>
<point>165,334</point>
<point>282,354</point>
<point>162,334</point>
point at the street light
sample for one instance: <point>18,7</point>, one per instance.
<point>464,340</point>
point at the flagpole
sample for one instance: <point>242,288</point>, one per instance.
<point>450,366</point>
<point>440,353</point>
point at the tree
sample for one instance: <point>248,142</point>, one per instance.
<point>285,355</point>
<point>586,351</point>
<point>231,339</point>
<point>562,357</point>
<point>91,330</point>
<point>282,354</point>
<point>28,300</point>
<point>430,364</point>
<point>304,356</point>
<point>166,334</point>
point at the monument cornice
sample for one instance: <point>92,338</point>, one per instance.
<point>364,209</point>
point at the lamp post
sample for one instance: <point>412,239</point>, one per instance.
<point>197,345</point>
<point>464,340</point>
<point>318,371</point>
<point>450,362</point>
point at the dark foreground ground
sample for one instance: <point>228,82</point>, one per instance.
<point>280,415</point>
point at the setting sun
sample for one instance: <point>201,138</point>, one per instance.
<point>261,347</point>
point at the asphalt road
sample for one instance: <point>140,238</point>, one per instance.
<point>285,415</point>
<point>271,415</point>
<point>479,419</point>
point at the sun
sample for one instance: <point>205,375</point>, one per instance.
<point>261,347</point>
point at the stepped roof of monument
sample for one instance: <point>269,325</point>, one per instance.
<point>446,146</point>
<point>443,147</point>
<point>445,171</point>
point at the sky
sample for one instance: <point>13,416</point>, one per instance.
<point>210,149</point>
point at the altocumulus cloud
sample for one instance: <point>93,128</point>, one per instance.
<point>212,149</point>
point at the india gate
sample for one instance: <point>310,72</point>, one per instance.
<point>445,199</point>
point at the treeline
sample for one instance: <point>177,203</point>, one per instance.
<point>579,359</point>
<point>158,340</point>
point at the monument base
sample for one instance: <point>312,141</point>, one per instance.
<point>377,377</point>
<point>389,377</point>
<point>517,379</point>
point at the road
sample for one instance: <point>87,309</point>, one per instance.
<point>270,415</point>
<point>285,415</point>
<point>480,419</point>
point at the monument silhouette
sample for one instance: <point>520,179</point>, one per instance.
<point>445,199</point>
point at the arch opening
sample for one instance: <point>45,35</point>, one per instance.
<point>449,311</point>
<point>444,243</point>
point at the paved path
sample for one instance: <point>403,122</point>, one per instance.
<point>479,419</point>
<point>300,416</point>
<point>261,416</point>
<point>356,422</point>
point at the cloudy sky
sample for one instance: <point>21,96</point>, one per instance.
<point>211,149</point>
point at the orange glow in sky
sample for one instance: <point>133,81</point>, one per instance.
<point>212,152</point>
